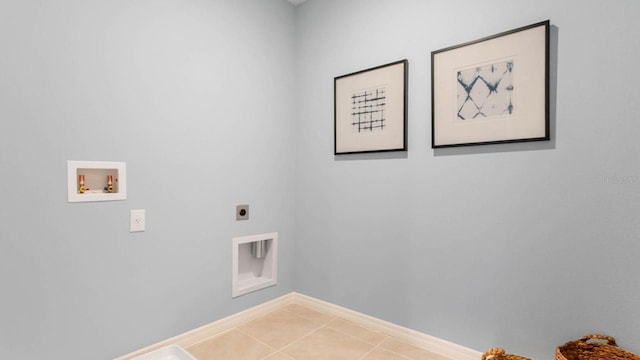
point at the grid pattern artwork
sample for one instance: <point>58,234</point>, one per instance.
<point>486,91</point>
<point>368,110</point>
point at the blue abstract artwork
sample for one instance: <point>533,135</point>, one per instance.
<point>485,91</point>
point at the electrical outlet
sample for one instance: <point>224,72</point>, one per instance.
<point>137,221</point>
<point>242,212</point>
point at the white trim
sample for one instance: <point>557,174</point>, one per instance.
<point>424,341</point>
<point>168,352</point>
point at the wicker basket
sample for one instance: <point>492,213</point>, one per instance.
<point>499,354</point>
<point>584,349</point>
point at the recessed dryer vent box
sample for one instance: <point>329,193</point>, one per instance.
<point>96,181</point>
<point>254,263</point>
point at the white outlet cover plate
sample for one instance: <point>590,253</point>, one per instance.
<point>137,221</point>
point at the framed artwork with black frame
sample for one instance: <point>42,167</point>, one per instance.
<point>370,110</point>
<point>492,90</point>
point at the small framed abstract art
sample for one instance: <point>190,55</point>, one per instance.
<point>492,90</point>
<point>370,110</point>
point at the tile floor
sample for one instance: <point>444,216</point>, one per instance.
<point>296,332</point>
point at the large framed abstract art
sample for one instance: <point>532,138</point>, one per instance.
<point>492,90</point>
<point>370,110</point>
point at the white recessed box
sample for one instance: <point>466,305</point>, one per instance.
<point>254,263</point>
<point>171,352</point>
<point>96,176</point>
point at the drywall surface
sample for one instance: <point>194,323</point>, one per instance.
<point>195,96</point>
<point>523,246</point>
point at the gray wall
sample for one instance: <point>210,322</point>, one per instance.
<point>195,96</point>
<point>521,246</point>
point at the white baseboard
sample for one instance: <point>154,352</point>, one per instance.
<point>427,342</point>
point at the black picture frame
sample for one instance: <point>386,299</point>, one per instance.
<point>493,90</point>
<point>370,109</point>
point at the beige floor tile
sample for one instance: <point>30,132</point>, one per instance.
<point>353,329</point>
<point>381,354</point>
<point>309,313</point>
<point>326,343</point>
<point>230,345</point>
<point>410,351</point>
<point>279,328</point>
